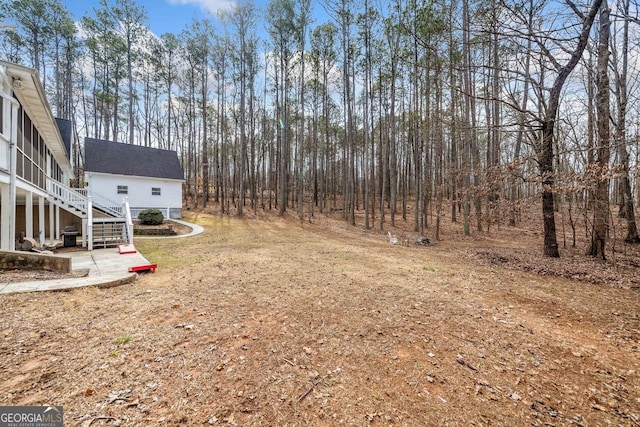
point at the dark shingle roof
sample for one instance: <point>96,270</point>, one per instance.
<point>66,129</point>
<point>126,159</point>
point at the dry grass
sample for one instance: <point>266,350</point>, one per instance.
<point>270,321</point>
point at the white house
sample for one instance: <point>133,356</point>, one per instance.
<point>34,162</point>
<point>36,199</point>
<point>147,177</point>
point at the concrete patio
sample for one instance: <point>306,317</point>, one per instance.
<point>100,267</point>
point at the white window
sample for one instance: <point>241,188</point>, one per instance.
<point>123,189</point>
<point>155,191</point>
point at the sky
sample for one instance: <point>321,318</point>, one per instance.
<point>173,16</point>
<point>164,15</point>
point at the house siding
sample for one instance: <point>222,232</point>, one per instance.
<point>139,191</point>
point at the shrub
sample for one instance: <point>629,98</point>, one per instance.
<point>151,217</point>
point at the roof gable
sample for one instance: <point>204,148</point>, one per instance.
<point>134,160</point>
<point>66,131</point>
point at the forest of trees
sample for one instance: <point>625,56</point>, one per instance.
<point>412,110</point>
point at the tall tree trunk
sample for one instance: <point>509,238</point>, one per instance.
<point>453,153</point>
<point>349,168</point>
<point>467,106</point>
<point>494,166</point>
<point>545,154</point>
<point>302,38</point>
<point>130,88</point>
<point>384,149</point>
<point>392,155</point>
<point>601,199</point>
<point>627,210</point>
<point>252,138</point>
<point>368,161</point>
<point>439,143</point>
<point>241,172</point>
<point>522,126</point>
<point>418,146</point>
<point>471,117</point>
<point>205,135</point>
<point>284,136</point>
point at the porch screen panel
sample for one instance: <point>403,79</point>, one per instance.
<point>20,143</point>
<point>20,129</point>
<point>28,169</point>
<point>58,171</point>
<point>20,164</point>
<point>28,135</point>
<point>43,163</point>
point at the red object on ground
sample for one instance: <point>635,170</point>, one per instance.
<point>145,267</point>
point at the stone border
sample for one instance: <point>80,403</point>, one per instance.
<point>195,230</point>
<point>34,261</point>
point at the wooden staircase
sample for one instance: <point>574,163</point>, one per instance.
<point>108,223</point>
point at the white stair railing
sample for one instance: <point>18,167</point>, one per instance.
<point>67,195</point>
<point>129,221</point>
<point>77,198</point>
<point>106,205</point>
<point>89,223</point>
<point>83,200</point>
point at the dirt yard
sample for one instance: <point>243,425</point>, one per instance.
<point>275,322</point>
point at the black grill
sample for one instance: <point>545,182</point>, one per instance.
<point>70,235</point>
